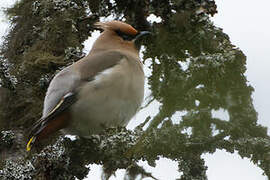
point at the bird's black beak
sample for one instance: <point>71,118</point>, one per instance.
<point>141,34</point>
<point>138,38</point>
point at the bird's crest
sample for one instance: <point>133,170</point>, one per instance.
<point>117,25</point>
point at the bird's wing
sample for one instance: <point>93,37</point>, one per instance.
<point>62,92</point>
<point>63,105</point>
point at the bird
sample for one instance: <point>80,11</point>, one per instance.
<point>103,89</point>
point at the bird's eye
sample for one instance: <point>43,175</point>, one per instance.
<point>124,36</point>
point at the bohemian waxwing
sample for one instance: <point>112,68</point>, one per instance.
<point>103,89</point>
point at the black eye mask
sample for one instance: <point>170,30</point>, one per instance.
<point>124,36</point>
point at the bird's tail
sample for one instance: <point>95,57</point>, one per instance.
<point>46,127</point>
<point>57,119</point>
<point>36,132</point>
<point>30,143</point>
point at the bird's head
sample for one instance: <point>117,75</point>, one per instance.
<point>118,35</point>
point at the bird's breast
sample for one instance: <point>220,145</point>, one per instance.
<point>111,99</point>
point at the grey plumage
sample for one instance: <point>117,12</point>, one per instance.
<point>103,89</point>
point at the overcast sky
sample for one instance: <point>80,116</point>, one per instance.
<point>247,24</point>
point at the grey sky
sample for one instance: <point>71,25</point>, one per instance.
<point>247,24</point>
